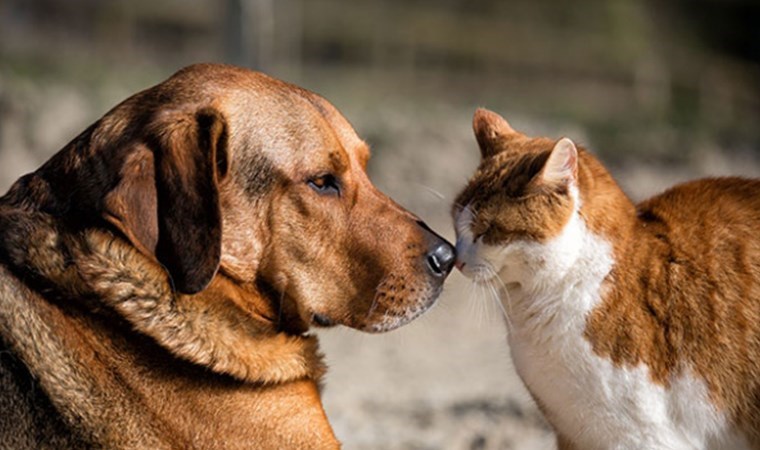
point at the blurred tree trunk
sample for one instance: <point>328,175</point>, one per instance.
<point>249,33</point>
<point>288,35</point>
<point>235,50</point>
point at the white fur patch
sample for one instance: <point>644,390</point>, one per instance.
<point>550,290</point>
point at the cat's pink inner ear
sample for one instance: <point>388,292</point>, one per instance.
<point>562,165</point>
<point>490,128</point>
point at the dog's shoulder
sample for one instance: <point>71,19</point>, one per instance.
<point>29,419</point>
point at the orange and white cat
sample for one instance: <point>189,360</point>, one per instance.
<point>633,326</point>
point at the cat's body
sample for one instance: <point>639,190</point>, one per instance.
<point>633,326</point>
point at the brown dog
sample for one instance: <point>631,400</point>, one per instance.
<point>158,274</point>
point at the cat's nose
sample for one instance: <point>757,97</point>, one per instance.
<point>441,259</point>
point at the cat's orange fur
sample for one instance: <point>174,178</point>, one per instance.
<point>683,292</point>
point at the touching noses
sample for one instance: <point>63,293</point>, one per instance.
<point>441,255</point>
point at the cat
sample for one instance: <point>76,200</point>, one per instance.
<point>632,326</point>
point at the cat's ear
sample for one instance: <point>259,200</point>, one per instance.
<point>562,165</point>
<point>490,129</point>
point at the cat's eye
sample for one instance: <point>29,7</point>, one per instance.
<point>481,235</point>
<point>325,184</point>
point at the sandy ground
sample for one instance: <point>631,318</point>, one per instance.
<point>446,380</point>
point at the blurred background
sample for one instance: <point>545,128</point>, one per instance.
<point>662,91</point>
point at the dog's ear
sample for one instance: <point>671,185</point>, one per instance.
<point>167,200</point>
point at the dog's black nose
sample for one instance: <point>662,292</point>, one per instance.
<point>441,256</point>
<point>441,259</point>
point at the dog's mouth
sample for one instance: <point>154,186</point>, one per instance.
<point>393,320</point>
<point>389,310</point>
<point>392,313</point>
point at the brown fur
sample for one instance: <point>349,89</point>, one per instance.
<point>508,176</point>
<point>159,273</point>
<point>684,292</point>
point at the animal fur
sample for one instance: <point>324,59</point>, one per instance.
<point>633,326</point>
<point>159,275</point>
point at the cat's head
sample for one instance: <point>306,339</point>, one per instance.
<point>518,204</point>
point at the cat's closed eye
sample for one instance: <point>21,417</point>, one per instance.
<point>480,235</point>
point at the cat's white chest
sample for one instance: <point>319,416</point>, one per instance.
<point>586,397</point>
<point>600,406</point>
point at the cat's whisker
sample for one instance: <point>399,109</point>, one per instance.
<point>488,291</point>
<point>497,300</point>
<point>473,295</point>
<point>490,294</point>
<point>435,192</point>
<point>503,291</point>
<point>463,224</point>
<point>482,305</point>
<point>483,300</point>
<point>470,294</point>
<point>506,297</point>
<point>491,287</point>
<point>460,205</point>
<point>466,208</point>
<point>473,213</point>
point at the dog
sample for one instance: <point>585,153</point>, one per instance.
<point>159,274</point>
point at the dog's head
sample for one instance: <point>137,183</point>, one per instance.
<point>223,169</point>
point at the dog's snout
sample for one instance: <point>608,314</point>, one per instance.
<point>441,255</point>
<point>441,259</point>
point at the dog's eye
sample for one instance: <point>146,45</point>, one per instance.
<point>325,184</point>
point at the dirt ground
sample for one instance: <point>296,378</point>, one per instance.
<point>442,382</point>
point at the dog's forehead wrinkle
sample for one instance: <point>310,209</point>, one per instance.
<point>341,131</point>
<point>338,123</point>
<point>257,174</point>
<point>264,159</point>
<point>338,160</point>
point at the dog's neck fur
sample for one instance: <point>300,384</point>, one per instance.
<point>223,333</point>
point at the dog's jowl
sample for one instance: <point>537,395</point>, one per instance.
<point>158,274</point>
